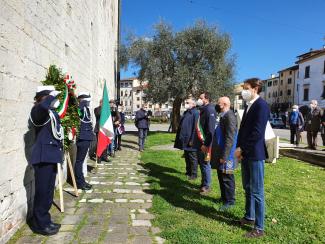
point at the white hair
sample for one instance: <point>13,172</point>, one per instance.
<point>314,102</point>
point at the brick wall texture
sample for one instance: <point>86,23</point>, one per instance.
<point>79,36</point>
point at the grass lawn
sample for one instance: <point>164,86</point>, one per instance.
<point>294,191</point>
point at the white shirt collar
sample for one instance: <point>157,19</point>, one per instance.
<point>252,101</point>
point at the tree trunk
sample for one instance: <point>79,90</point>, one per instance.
<point>176,113</point>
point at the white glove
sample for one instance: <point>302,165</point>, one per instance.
<point>54,93</point>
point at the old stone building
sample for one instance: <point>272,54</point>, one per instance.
<point>79,36</point>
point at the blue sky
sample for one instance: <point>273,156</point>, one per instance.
<point>266,35</point>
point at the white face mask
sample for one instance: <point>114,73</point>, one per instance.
<point>187,106</point>
<point>199,102</point>
<point>294,110</point>
<point>247,95</point>
<point>55,103</point>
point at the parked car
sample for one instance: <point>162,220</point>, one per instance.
<point>277,123</point>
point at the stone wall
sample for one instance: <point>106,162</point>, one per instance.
<point>81,37</point>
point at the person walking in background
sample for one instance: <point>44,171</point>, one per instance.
<point>251,150</point>
<point>142,123</point>
<point>205,130</point>
<point>46,153</point>
<point>85,136</point>
<point>223,152</point>
<point>170,118</point>
<point>296,122</point>
<point>185,136</point>
<point>313,122</point>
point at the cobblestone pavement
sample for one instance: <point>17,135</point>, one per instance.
<point>116,210</point>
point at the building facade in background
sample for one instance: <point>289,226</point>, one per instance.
<point>271,93</point>
<point>238,102</point>
<point>132,97</point>
<point>287,83</point>
<point>81,37</point>
<point>311,80</point>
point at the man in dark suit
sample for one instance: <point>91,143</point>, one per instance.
<point>142,123</point>
<point>223,151</point>
<point>205,131</point>
<point>185,135</point>
<point>84,138</point>
<point>46,153</point>
<point>120,129</point>
<point>251,150</point>
<point>313,123</point>
<point>323,128</point>
<point>116,119</point>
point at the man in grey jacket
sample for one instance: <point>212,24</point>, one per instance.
<point>223,150</point>
<point>313,122</point>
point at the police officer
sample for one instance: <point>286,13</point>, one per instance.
<point>84,139</point>
<point>46,153</point>
<point>142,123</point>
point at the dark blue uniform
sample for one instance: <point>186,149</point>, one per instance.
<point>46,153</point>
<point>83,142</point>
<point>142,123</point>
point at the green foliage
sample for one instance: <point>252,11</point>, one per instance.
<point>179,64</point>
<point>71,120</point>
<point>294,201</point>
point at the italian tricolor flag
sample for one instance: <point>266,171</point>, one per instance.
<point>62,109</point>
<point>201,136</point>
<point>106,131</point>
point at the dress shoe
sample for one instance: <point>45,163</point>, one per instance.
<point>254,234</point>
<point>89,185</point>
<point>205,190</point>
<point>47,231</point>
<point>226,206</point>
<point>245,221</point>
<point>55,225</point>
<point>85,187</point>
<point>191,177</point>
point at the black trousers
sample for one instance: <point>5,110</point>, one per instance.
<point>119,141</point>
<point>312,139</point>
<point>45,174</point>
<point>294,133</point>
<point>82,148</point>
<point>191,161</point>
<point>227,187</point>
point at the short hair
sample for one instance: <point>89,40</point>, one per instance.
<point>295,106</point>
<point>207,95</point>
<point>255,82</point>
<point>314,102</point>
<point>225,100</point>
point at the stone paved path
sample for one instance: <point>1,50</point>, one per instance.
<point>114,211</point>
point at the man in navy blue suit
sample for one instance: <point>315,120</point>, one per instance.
<point>203,142</point>
<point>251,150</point>
<point>47,151</point>
<point>185,137</point>
<point>84,138</point>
